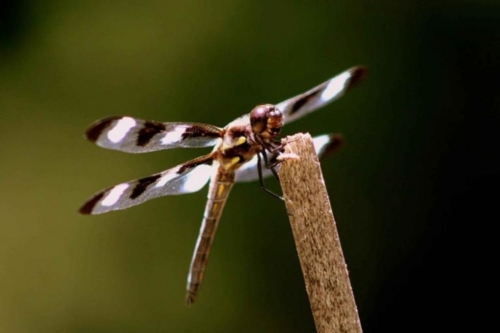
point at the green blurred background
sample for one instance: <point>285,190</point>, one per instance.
<point>409,190</point>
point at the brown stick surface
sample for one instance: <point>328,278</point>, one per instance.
<point>316,239</point>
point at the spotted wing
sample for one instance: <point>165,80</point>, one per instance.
<point>133,135</point>
<point>323,144</point>
<point>319,96</point>
<point>185,178</point>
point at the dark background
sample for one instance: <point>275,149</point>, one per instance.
<point>414,190</point>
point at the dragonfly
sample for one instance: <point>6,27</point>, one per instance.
<point>245,150</point>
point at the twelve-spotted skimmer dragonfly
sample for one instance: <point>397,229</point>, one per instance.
<point>239,148</point>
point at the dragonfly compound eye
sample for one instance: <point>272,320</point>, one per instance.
<point>258,118</point>
<point>266,120</point>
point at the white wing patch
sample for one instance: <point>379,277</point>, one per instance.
<point>121,129</point>
<point>173,136</point>
<point>336,86</point>
<point>114,195</point>
<point>166,178</point>
<point>193,182</point>
<point>320,142</point>
<point>197,179</point>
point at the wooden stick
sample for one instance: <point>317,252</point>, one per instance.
<point>316,238</point>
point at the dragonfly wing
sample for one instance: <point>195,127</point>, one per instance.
<point>185,178</point>
<point>321,95</point>
<point>133,135</point>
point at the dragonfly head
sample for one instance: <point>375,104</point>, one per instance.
<point>266,121</point>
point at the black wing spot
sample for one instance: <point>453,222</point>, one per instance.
<point>195,131</point>
<point>149,130</point>
<point>208,160</point>
<point>358,75</point>
<point>143,185</point>
<point>303,100</point>
<point>95,131</point>
<point>88,207</point>
<point>336,142</point>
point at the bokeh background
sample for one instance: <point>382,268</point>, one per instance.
<point>414,190</point>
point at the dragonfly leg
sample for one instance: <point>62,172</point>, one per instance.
<point>261,179</point>
<point>271,166</point>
